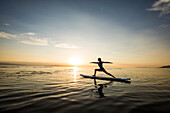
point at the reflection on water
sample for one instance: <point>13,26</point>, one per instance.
<point>41,89</point>
<point>75,73</point>
<point>100,87</point>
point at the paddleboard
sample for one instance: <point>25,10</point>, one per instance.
<point>105,78</point>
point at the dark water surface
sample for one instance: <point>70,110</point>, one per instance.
<point>39,89</point>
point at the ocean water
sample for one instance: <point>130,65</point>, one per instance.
<point>42,89</point>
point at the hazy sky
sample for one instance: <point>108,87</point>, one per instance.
<point>126,32</point>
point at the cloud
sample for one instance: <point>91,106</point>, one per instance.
<point>6,24</point>
<point>164,26</point>
<point>64,45</point>
<point>29,38</point>
<point>7,35</point>
<point>35,41</point>
<point>29,34</point>
<point>161,5</point>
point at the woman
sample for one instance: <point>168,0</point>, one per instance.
<point>100,64</point>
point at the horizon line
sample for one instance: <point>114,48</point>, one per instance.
<point>29,63</point>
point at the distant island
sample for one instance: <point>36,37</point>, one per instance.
<point>168,66</point>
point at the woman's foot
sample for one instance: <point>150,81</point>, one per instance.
<point>113,76</point>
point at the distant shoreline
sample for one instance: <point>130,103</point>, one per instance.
<point>168,66</point>
<point>33,64</point>
<point>38,64</point>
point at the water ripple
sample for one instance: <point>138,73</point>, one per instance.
<point>61,90</point>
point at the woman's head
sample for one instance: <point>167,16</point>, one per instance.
<point>99,59</point>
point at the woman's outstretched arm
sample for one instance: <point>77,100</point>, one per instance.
<point>107,62</point>
<point>94,62</point>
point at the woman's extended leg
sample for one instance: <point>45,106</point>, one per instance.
<point>108,73</point>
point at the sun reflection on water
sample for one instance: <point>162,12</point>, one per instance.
<point>75,73</point>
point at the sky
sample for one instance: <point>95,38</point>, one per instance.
<point>125,32</point>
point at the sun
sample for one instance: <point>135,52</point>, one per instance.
<point>75,61</point>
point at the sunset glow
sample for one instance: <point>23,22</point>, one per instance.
<point>75,61</point>
<point>114,30</point>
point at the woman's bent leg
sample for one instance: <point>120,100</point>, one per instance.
<point>96,71</point>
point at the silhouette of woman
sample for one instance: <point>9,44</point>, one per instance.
<point>100,64</point>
